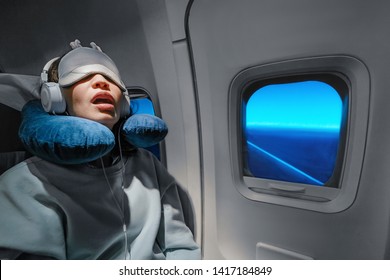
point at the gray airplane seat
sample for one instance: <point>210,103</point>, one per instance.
<point>15,91</point>
<point>11,149</point>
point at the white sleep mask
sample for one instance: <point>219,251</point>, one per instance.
<point>82,62</point>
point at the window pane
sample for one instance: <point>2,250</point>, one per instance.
<point>142,106</point>
<point>292,132</point>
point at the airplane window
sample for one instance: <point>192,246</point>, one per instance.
<point>298,131</point>
<point>292,131</point>
<point>142,106</point>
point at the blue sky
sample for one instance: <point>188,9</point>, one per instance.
<point>142,106</point>
<point>308,105</point>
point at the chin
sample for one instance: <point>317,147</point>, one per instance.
<point>105,120</point>
<point>108,122</point>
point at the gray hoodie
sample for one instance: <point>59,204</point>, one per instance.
<point>72,212</point>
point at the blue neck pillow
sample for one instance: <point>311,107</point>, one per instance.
<point>74,140</point>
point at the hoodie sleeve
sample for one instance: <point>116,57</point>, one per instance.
<point>175,238</point>
<point>30,224</point>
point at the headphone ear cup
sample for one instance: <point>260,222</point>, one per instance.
<point>125,105</point>
<point>52,99</point>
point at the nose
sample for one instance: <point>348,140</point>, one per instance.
<point>99,81</point>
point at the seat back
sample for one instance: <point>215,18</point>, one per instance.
<point>12,150</point>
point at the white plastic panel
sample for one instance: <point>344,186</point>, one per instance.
<point>229,37</point>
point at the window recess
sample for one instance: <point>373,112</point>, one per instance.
<point>296,137</point>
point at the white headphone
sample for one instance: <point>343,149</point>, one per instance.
<point>53,101</point>
<point>51,95</point>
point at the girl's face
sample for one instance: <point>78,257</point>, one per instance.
<point>95,98</point>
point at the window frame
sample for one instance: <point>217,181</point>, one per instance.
<point>136,92</point>
<point>344,69</point>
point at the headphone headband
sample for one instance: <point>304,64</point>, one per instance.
<point>44,74</point>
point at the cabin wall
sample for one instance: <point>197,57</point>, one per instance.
<point>230,36</point>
